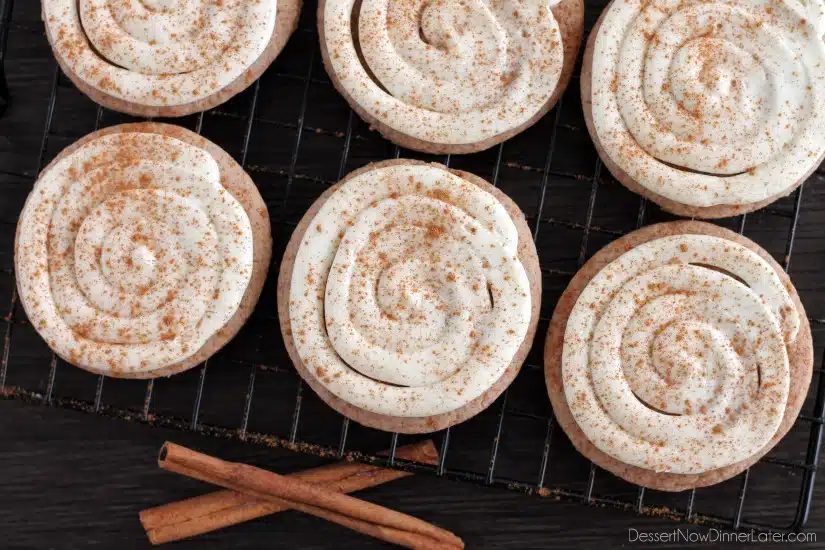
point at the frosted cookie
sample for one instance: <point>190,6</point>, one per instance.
<point>708,109</point>
<point>409,295</point>
<point>141,251</point>
<point>450,76</point>
<point>166,58</point>
<point>678,356</point>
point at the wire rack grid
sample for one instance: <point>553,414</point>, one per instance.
<point>296,137</point>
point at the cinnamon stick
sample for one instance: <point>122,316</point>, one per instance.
<point>362,516</point>
<point>206,513</point>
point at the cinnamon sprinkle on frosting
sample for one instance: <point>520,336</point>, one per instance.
<point>675,358</point>
<point>130,254</point>
<point>159,52</point>
<point>414,312</point>
<point>711,103</point>
<point>446,71</point>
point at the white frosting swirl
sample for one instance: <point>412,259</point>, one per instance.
<point>130,254</point>
<point>407,297</point>
<point>671,363</point>
<point>711,103</point>
<point>446,71</point>
<point>159,52</point>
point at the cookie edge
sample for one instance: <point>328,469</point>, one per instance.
<point>800,356</point>
<point>569,14</point>
<point>416,425</point>
<point>286,21</point>
<point>669,205</point>
<point>243,189</point>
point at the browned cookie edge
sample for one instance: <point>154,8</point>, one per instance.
<point>527,255</point>
<point>243,189</point>
<point>570,17</point>
<point>285,23</point>
<point>674,207</point>
<point>800,356</point>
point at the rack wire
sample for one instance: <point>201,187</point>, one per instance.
<point>296,137</point>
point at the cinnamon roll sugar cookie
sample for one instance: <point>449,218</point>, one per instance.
<point>710,109</point>
<point>409,295</point>
<point>678,356</point>
<point>166,58</point>
<point>450,76</point>
<point>141,251</point>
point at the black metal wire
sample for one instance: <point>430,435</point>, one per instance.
<point>147,399</point>
<point>803,508</point>
<point>247,407</point>
<point>342,442</point>
<point>5,19</point>
<point>393,448</point>
<point>281,229</point>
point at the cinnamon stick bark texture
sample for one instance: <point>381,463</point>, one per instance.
<point>206,513</point>
<point>364,517</point>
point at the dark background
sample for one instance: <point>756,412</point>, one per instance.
<point>73,478</point>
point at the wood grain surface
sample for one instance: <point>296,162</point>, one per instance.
<point>75,480</point>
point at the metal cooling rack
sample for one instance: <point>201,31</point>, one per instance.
<point>295,136</point>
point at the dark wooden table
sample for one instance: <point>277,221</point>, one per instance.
<point>78,480</point>
<point>73,480</point>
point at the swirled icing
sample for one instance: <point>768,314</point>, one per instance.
<point>407,297</point>
<point>443,71</point>
<point>130,253</point>
<point>710,103</point>
<point>159,52</point>
<point>675,355</point>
